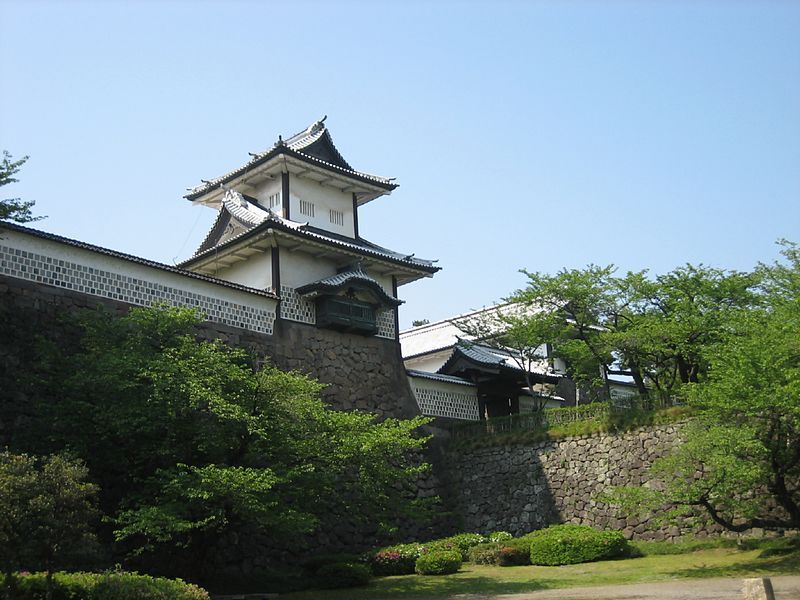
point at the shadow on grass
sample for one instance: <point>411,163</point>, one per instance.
<point>427,587</point>
<point>767,562</point>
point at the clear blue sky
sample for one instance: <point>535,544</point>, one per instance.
<point>540,135</point>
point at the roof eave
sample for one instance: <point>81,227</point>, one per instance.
<point>369,186</point>
<point>274,230</point>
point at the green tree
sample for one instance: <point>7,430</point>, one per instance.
<point>14,209</point>
<point>740,462</point>
<point>651,329</point>
<point>46,510</point>
<point>522,330</point>
<point>190,442</point>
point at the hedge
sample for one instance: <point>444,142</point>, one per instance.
<point>439,563</point>
<point>569,544</point>
<point>114,585</point>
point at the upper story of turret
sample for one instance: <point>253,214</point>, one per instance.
<point>287,222</point>
<point>304,179</point>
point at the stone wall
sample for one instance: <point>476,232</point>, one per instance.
<point>523,488</point>
<point>363,373</point>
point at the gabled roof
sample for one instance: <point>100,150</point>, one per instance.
<point>236,208</point>
<point>353,277</point>
<point>470,355</point>
<point>316,141</point>
<point>257,221</point>
<point>313,145</point>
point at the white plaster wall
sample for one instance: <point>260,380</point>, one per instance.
<point>384,280</point>
<point>529,405</point>
<point>264,190</point>
<point>430,362</point>
<point>324,199</point>
<point>255,271</point>
<point>620,392</point>
<point>226,305</point>
<point>440,399</point>
<point>299,268</point>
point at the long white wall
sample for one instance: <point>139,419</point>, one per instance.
<point>443,399</point>
<point>51,262</point>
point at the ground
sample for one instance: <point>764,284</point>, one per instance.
<point>786,587</point>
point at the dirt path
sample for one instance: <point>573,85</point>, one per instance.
<point>787,587</point>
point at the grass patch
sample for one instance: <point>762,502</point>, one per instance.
<point>485,579</point>
<point>640,548</point>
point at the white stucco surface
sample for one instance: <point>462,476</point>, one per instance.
<point>442,399</point>
<point>299,268</point>
<point>255,272</point>
<point>52,262</point>
<point>324,199</point>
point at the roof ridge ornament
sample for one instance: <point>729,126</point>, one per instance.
<point>317,126</point>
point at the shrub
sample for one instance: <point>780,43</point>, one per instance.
<point>515,552</point>
<point>461,542</point>
<point>396,560</point>
<point>485,554</point>
<point>119,585</point>
<point>114,585</point>
<point>570,544</point>
<point>315,563</point>
<point>500,536</point>
<point>343,575</point>
<point>438,563</point>
<point>65,586</point>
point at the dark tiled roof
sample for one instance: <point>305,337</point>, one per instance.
<point>314,145</point>
<point>129,257</point>
<point>301,230</point>
<point>485,355</point>
<point>350,277</point>
<point>438,377</point>
<point>316,141</point>
<point>489,358</point>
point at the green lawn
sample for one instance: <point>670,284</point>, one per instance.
<point>478,579</point>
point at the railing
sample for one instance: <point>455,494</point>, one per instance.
<point>545,419</point>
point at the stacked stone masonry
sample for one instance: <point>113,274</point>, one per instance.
<point>364,373</point>
<point>523,488</point>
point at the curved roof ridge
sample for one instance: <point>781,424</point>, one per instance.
<point>325,237</point>
<point>247,213</point>
<point>316,133</point>
<point>215,232</point>
<point>353,274</point>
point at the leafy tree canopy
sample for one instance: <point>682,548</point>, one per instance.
<point>740,462</point>
<point>46,513</point>
<point>14,209</point>
<point>651,329</point>
<point>189,441</point>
